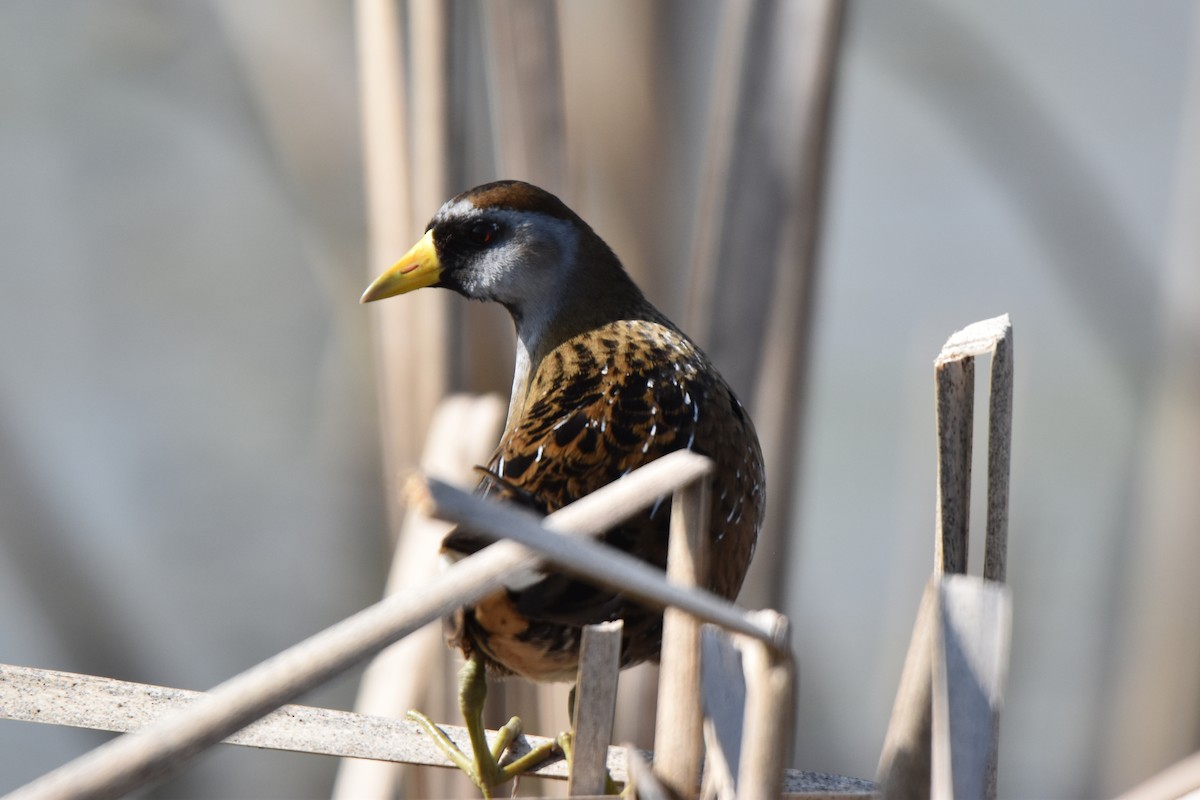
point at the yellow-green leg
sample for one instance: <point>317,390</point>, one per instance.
<point>484,768</point>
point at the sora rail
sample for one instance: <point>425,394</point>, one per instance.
<point>603,384</point>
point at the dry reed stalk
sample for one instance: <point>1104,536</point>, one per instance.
<point>524,71</point>
<point>770,711</point>
<point>904,763</point>
<point>954,371</point>
<point>715,167</point>
<point>1180,781</point>
<point>943,734</point>
<point>941,739</point>
<point>970,667</point>
<point>459,438</point>
<point>806,42</point>
<point>525,84</point>
<point>617,105</point>
<point>86,701</point>
<point>405,162</point>
<point>678,730</point>
<point>383,96</point>
<point>595,705</point>
<point>955,422</point>
<point>1155,674</point>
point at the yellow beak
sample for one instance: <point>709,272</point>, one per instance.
<point>418,268</point>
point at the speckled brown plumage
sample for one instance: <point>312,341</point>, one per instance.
<point>604,384</point>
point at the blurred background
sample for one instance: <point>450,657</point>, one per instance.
<point>201,431</point>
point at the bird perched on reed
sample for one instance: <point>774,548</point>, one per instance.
<point>603,384</point>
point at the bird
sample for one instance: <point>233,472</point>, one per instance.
<point>603,383</point>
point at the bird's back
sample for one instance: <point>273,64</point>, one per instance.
<point>596,407</point>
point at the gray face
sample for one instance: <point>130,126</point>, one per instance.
<point>521,259</point>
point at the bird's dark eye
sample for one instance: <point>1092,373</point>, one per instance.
<point>483,233</point>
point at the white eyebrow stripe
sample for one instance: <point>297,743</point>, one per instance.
<point>459,208</point>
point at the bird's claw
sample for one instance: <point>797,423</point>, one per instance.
<point>483,767</point>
